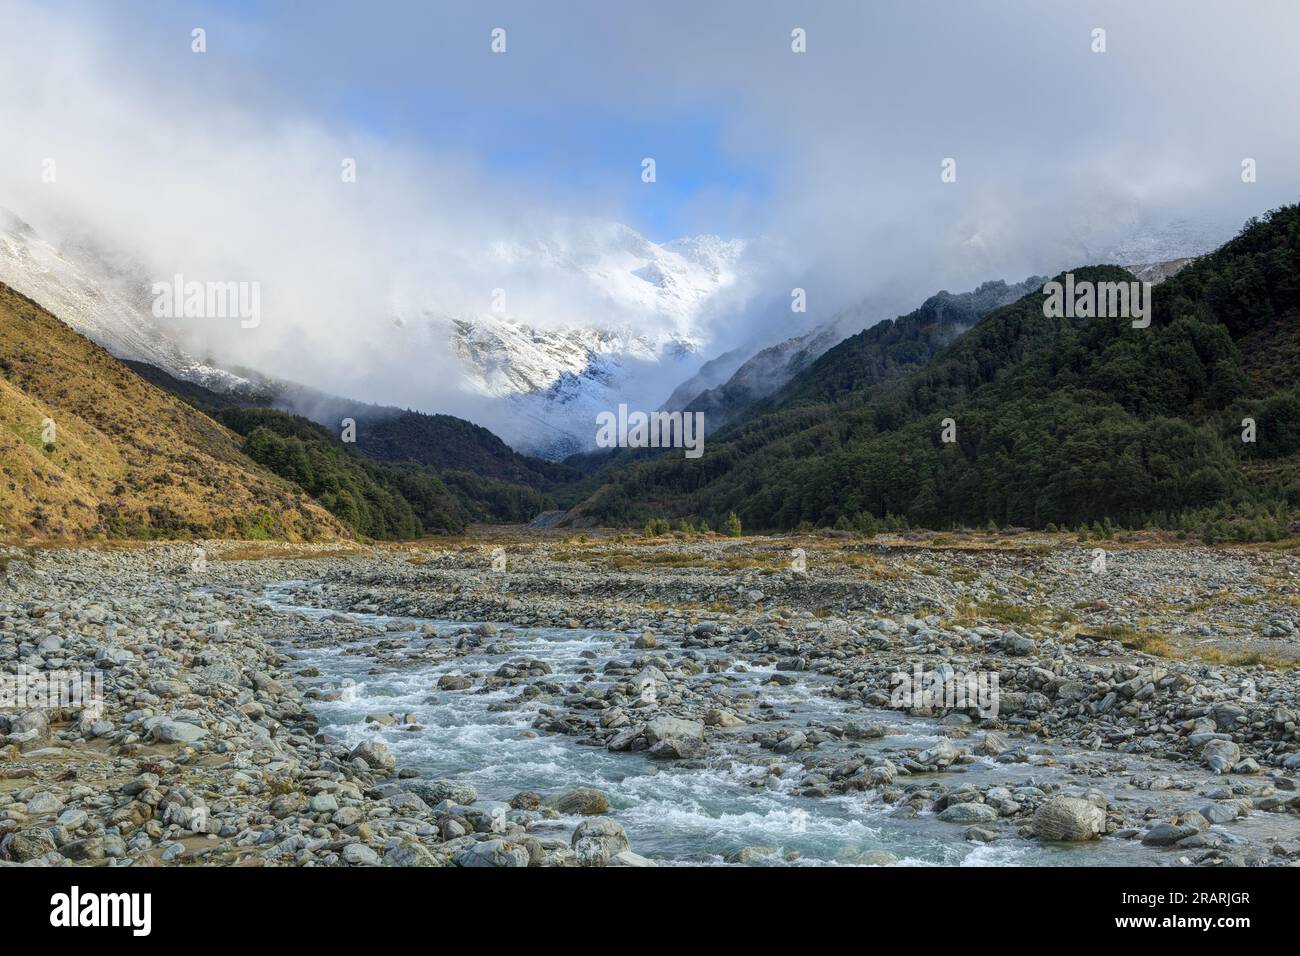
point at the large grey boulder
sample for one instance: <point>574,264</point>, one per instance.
<point>26,845</point>
<point>375,754</point>
<point>968,813</point>
<point>596,842</point>
<point>940,755</point>
<point>673,738</point>
<point>494,853</point>
<point>1167,834</point>
<point>1220,755</point>
<point>358,854</point>
<point>35,722</point>
<point>177,732</point>
<point>1069,819</point>
<point>434,792</point>
<point>585,801</point>
<point>410,854</point>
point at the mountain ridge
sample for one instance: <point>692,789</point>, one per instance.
<point>1040,406</point>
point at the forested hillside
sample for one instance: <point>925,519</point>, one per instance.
<point>1058,421</point>
<point>395,491</point>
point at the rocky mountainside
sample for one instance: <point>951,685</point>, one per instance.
<point>550,374</point>
<point>941,319</point>
<point>111,311</point>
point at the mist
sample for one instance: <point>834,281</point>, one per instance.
<point>227,165</point>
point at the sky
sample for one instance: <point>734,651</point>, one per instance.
<point>828,161</point>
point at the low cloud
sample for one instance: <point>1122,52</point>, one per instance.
<point>226,165</point>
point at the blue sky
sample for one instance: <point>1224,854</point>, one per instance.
<point>750,138</point>
<point>422,75</point>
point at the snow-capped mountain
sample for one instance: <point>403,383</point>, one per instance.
<point>639,282</point>
<point>553,382</point>
<point>86,295</point>
<point>594,314</point>
<point>552,375</point>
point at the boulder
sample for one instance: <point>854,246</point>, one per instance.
<point>673,738</point>
<point>968,813</point>
<point>494,853</point>
<point>1069,819</point>
<point>1167,834</point>
<point>177,732</point>
<point>375,754</point>
<point>434,792</point>
<point>584,801</point>
<point>1220,755</point>
<point>596,842</point>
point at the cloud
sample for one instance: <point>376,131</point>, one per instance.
<point>226,165</point>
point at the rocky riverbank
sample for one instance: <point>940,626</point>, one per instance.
<point>209,746</point>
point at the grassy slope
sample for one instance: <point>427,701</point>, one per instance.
<point>128,459</point>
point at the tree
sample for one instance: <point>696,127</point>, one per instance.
<point>732,525</point>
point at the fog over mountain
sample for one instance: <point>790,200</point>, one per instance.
<point>499,256</point>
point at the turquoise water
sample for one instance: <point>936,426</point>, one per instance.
<point>676,813</point>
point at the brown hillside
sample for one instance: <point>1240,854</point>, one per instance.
<point>128,460</point>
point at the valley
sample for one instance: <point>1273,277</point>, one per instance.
<point>676,700</point>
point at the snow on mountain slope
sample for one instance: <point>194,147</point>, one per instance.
<point>597,315</point>
<point>549,374</point>
<point>660,288</point>
<point>549,384</point>
<point>84,295</point>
